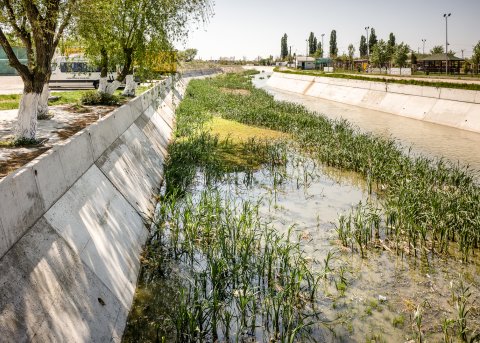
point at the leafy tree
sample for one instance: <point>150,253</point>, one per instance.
<point>379,55</point>
<point>315,43</point>
<point>187,55</point>
<point>363,48</point>
<point>437,49</point>
<point>476,56</point>
<point>38,25</point>
<point>333,44</point>
<point>138,30</point>
<point>284,47</point>
<point>372,40</point>
<point>413,58</point>
<point>351,53</point>
<point>400,55</point>
<point>319,52</point>
<point>391,40</point>
<point>312,46</point>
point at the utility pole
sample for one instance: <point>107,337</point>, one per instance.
<point>368,43</point>
<point>462,53</point>
<point>423,41</point>
<point>323,46</point>
<point>445,15</point>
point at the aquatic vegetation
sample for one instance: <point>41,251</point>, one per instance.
<point>427,203</point>
<point>216,269</point>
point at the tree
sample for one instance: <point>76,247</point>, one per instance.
<point>413,58</point>
<point>379,55</point>
<point>312,46</point>
<point>140,30</point>
<point>372,40</point>
<point>363,48</point>
<point>284,47</point>
<point>437,49</point>
<point>315,43</point>
<point>319,52</point>
<point>351,53</point>
<point>187,55</point>
<point>38,26</point>
<point>391,40</point>
<point>333,44</point>
<point>476,56</point>
<point>400,55</point>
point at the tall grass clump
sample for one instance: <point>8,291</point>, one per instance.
<point>237,278</point>
<point>434,203</point>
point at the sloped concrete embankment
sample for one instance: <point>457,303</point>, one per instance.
<point>452,107</point>
<point>73,224</point>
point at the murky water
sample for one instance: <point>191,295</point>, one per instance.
<point>383,290</point>
<point>426,138</point>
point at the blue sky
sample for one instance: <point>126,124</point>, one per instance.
<point>253,28</point>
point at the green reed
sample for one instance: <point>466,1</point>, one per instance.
<point>428,203</point>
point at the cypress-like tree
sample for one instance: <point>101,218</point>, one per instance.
<point>284,47</point>
<point>333,44</point>
<point>372,40</point>
<point>363,48</point>
<point>311,44</point>
<point>391,40</point>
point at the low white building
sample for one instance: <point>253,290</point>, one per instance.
<point>303,62</point>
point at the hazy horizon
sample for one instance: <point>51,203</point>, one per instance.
<point>253,28</point>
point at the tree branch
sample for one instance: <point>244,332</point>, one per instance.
<point>21,32</point>
<point>64,24</point>
<point>12,58</point>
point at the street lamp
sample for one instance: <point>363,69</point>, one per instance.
<point>423,41</point>
<point>445,15</point>
<point>368,45</point>
<point>306,55</point>
<point>323,46</point>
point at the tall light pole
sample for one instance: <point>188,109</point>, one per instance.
<point>445,15</point>
<point>306,55</point>
<point>368,44</point>
<point>423,41</point>
<point>323,46</point>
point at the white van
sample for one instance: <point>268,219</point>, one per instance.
<point>76,72</point>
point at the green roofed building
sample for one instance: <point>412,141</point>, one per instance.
<point>437,63</point>
<point>5,68</point>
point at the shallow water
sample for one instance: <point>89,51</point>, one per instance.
<point>311,197</point>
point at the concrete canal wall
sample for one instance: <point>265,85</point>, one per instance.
<point>73,224</point>
<point>452,107</point>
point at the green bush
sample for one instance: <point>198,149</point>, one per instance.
<point>99,98</point>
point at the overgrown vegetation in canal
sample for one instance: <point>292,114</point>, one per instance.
<point>222,273</point>
<point>427,204</point>
<point>214,271</point>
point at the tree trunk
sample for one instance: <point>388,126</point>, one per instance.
<point>42,109</point>
<point>111,87</point>
<point>34,88</point>
<point>26,127</point>
<point>130,87</point>
<point>102,85</point>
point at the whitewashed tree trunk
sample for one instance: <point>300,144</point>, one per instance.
<point>102,85</point>
<point>26,127</point>
<point>112,87</point>
<point>130,86</point>
<point>42,110</point>
<point>108,87</point>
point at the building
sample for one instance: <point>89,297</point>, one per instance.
<point>302,62</point>
<point>321,63</point>
<point>5,68</point>
<point>436,64</point>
